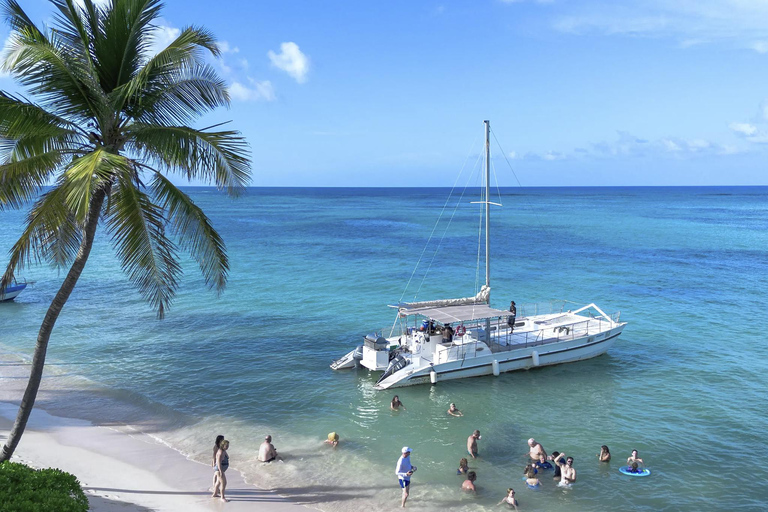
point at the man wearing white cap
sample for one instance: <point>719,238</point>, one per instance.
<point>404,471</point>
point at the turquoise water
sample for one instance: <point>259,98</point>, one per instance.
<point>313,271</point>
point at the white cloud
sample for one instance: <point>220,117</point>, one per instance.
<point>291,60</point>
<point>740,23</point>
<point>225,47</point>
<point>553,155</point>
<point>161,36</point>
<point>255,91</point>
<point>745,129</point>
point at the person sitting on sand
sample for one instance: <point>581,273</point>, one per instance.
<point>463,467</point>
<point>453,411</point>
<point>535,450</point>
<point>531,480</point>
<point>635,457</point>
<point>472,444</point>
<point>333,439</point>
<point>567,470</point>
<point>396,404</point>
<point>469,483</point>
<point>267,452</point>
<point>216,445</point>
<point>604,455</point>
<point>510,499</point>
<point>221,466</point>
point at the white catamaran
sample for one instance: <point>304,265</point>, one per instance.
<point>440,340</point>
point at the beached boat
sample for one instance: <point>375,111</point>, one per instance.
<point>448,339</point>
<point>12,291</point>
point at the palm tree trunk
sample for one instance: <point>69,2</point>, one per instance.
<point>38,360</point>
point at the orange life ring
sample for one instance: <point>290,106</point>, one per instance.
<point>461,330</point>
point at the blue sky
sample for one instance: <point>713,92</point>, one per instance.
<point>578,92</point>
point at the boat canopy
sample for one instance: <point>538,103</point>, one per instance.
<point>452,314</point>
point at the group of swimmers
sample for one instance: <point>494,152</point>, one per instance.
<point>562,464</point>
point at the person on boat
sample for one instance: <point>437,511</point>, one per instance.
<point>510,499</point>
<point>536,450</point>
<point>453,411</point>
<point>512,316</point>
<point>531,480</point>
<point>404,471</point>
<point>542,463</point>
<point>604,455</point>
<point>216,445</point>
<point>558,459</point>
<point>463,467</point>
<point>469,483</point>
<point>333,439</point>
<point>472,444</point>
<point>635,457</point>
<point>567,470</point>
<point>267,451</point>
<point>396,403</point>
<point>220,467</point>
<point>447,333</point>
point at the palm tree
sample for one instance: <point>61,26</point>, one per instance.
<point>110,122</point>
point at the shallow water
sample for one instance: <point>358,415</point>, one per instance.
<point>313,271</point>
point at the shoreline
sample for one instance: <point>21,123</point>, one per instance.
<point>133,472</point>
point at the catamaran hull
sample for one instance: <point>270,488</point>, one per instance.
<point>519,359</point>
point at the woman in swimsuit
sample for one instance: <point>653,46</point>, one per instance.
<point>604,455</point>
<point>216,444</point>
<point>531,480</point>
<point>221,466</point>
<point>463,467</point>
<point>510,499</point>
<point>396,404</point>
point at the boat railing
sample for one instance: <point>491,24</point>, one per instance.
<point>540,308</point>
<point>510,341</point>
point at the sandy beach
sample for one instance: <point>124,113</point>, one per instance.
<point>120,471</point>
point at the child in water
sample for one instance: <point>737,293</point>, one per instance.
<point>463,467</point>
<point>542,463</point>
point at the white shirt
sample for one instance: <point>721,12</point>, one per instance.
<point>403,467</point>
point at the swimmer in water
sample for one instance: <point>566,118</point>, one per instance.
<point>567,470</point>
<point>463,467</point>
<point>542,463</point>
<point>634,468</point>
<point>333,439</point>
<point>510,499</point>
<point>396,404</point>
<point>635,457</point>
<point>453,411</point>
<point>469,483</point>
<point>556,457</point>
<point>531,480</point>
<point>604,455</point>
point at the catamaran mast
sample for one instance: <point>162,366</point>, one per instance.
<point>487,206</point>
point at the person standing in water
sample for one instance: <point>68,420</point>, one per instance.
<point>604,455</point>
<point>567,470</point>
<point>404,471</point>
<point>396,404</point>
<point>510,499</point>
<point>472,444</point>
<point>333,439</point>
<point>221,466</point>
<point>536,450</point>
<point>512,316</point>
<point>469,483</point>
<point>635,457</point>
<point>216,444</point>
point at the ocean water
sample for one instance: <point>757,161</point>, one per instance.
<point>313,271</point>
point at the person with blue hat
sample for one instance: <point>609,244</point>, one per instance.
<point>404,470</point>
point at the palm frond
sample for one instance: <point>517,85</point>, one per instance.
<point>50,234</point>
<point>22,181</point>
<point>147,255</point>
<point>180,59</point>
<point>219,157</point>
<point>90,172</point>
<point>194,231</point>
<point>51,68</point>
